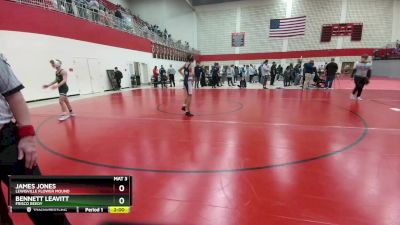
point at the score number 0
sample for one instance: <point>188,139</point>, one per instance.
<point>121,200</point>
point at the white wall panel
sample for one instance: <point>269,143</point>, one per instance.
<point>214,31</point>
<point>175,15</point>
<point>29,56</point>
<point>377,17</point>
<point>318,13</point>
<point>255,22</point>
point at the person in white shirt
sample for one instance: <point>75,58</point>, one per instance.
<point>171,74</point>
<point>229,74</point>
<point>361,74</point>
<point>252,72</point>
<point>265,73</point>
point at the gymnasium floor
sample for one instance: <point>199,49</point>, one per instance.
<point>280,157</point>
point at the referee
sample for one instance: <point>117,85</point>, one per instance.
<point>18,154</point>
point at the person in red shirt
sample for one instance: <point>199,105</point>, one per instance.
<point>155,76</point>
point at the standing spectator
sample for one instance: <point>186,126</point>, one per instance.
<point>214,75</point>
<point>220,74</point>
<point>171,74</point>
<point>361,74</point>
<point>280,71</point>
<point>94,8</point>
<point>118,77</point>
<point>118,18</point>
<point>203,77</point>
<point>297,74</point>
<point>163,76</point>
<point>242,83</point>
<point>273,73</point>
<point>309,72</point>
<point>155,77</point>
<point>59,5</point>
<point>251,73</point>
<point>68,6</point>
<point>18,155</point>
<point>331,69</point>
<point>197,74</point>
<point>265,72</point>
<point>81,6</point>
<point>236,76</point>
<point>229,74</point>
<point>286,75</point>
<point>247,73</point>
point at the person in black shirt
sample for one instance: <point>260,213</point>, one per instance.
<point>118,77</point>
<point>197,74</point>
<point>118,14</point>
<point>163,76</point>
<point>214,76</point>
<point>203,77</point>
<point>235,78</point>
<point>279,71</point>
<point>331,70</point>
<point>273,73</point>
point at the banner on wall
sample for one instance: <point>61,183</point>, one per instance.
<point>287,27</point>
<point>238,39</point>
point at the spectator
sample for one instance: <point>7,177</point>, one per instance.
<point>280,71</point>
<point>273,73</point>
<point>236,76</point>
<point>118,77</point>
<point>82,5</point>
<point>197,74</point>
<point>118,16</point>
<point>171,73</point>
<point>297,74</point>
<point>163,75</point>
<point>214,75</point>
<point>265,72</point>
<point>94,8</point>
<point>155,77</point>
<point>331,69</point>
<point>286,75</point>
<point>252,73</point>
<point>68,6</point>
<point>242,83</point>
<point>203,77</point>
<point>230,71</point>
<point>309,72</point>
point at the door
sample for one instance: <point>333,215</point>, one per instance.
<point>347,68</point>
<point>96,76</point>
<point>137,71</point>
<point>144,75</point>
<point>83,75</point>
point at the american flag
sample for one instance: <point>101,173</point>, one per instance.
<point>287,27</point>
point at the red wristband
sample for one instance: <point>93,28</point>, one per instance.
<point>25,131</point>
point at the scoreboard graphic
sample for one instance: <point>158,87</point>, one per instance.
<point>70,194</point>
<point>341,29</point>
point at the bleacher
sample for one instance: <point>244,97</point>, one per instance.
<point>163,48</point>
<point>390,51</point>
